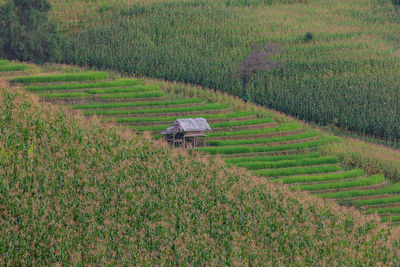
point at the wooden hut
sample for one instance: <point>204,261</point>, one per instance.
<point>187,133</point>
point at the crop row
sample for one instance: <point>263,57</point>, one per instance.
<point>4,62</point>
<point>384,210</point>
<point>173,118</point>
<point>157,110</point>
<point>136,88</point>
<point>281,128</point>
<point>320,178</point>
<point>376,201</point>
<point>395,218</point>
<point>272,158</point>
<point>364,181</point>
<point>298,170</point>
<point>133,95</point>
<point>4,68</point>
<point>288,163</point>
<point>259,149</point>
<point>261,140</point>
<point>81,76</point>
<point>393,189</point>
<point>71,86</point>
<point>137,104</point>
<point>63,95</point>
<point>161,127</point>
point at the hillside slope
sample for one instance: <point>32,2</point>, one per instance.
<point>345,73</point>
<point>74,191</point>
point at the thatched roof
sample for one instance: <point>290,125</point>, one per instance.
<point>188,125</point>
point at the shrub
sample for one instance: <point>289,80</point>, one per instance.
<point>26,33</point>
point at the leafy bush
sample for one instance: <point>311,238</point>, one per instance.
<point>26,33</point>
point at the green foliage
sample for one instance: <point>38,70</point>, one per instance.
<point>297,170</point>
<point>4,62</point>
<point>376,201</point>
<point>26,34</point>
<point>75,193</point>
<point>137,88</point>
<point>287,163</point>
<point>4,68</point>
<point>384,210</point>
<point>393,189</point>
<point>201,107</point>
<point>63,95</point>
<point>137,104</point>
<point>259,149</point>
<point>320,178</point>
<point>133,95</point>
<point>81,76</point>
<point>173,118</point>
<point>261,140</point>
<point>281,128</point>
<point>272,158</point>
<point>243,3</point>
<point>365,181</point>
<point>201,42</point>
<point>70,86</point>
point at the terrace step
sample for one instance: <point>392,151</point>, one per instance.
<point>378,186</point>
<point>302,175</point>
<point>350,199</point>
<point>91,100</point>
<point>148,107</point>
<point>289,142</point>
<point>386,205</point>
<point>271,153</point>
<point>327,181</point>
<point>194,113</point>
<point>168,123</point>
<point>254,136</point>
<point>247,127</point>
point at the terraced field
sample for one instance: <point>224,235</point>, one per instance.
<point>283,152</point>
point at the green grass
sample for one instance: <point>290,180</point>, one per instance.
<point>75,193</point>
<point>63,95</point>
<point>272,158</point>
<point>71,86</point>
<point>201,107</point>
<point>161,127</point>
<point>242,123</point>
<point>137,104</point>
<point>257,149</point>
<point>136,88</point>
<point>395,218</point>
<point>287,163</point>
<point>320,178</point>
<point>365,181</point>
<point>173,118</point>
<point>5,68</point>
<point>298,170</point>
<point>4,62</point>
<point>376,201</point>
<point>383,210</point>
<point>67,77</point>
<point>261,140</point>
<point>393,189</point>
<point>289,126</point>
<point>133,95</point>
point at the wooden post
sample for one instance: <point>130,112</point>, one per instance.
<point>195,141</point>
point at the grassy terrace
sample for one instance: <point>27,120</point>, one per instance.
<point>283,151</point>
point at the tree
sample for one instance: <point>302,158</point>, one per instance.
<point>26,33</point>
<point>257,61</point>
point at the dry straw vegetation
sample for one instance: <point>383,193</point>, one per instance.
<point>74,192</point>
